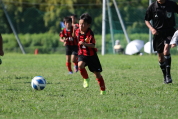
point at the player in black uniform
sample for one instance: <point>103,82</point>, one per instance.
<point>161,12</point>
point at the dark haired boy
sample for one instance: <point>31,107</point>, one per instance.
<point>70,43</point>
<point>87,55</point>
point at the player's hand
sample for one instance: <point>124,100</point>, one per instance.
<point>154,32</point>
<point>64,44</point>
<point>81,43</point>
<point>173,45</point>
<point>66,39</point>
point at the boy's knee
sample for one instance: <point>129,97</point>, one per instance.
<point>80,67</point>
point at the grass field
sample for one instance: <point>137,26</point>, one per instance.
<point>135,89</point>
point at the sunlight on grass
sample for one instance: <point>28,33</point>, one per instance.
<point>134,84</point>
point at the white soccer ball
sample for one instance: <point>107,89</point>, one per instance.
<point>38,83</point>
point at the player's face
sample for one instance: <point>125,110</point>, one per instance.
<point>68,25</point>
<point>161,1</point>
<point>74,19</point>
<point>83,26</point>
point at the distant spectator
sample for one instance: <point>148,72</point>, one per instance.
<point>118,48</point>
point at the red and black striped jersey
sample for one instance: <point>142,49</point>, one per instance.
<point>84,50</point>
<point>68,34</point>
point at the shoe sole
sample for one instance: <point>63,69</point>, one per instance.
<point>167,82</point>
<point>85,84</point>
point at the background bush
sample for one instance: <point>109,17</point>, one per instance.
<point>49,43</point>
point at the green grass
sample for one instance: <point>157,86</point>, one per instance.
<point>135,89</point>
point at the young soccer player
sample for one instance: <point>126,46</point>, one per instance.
<point>87,55</point>
<point>74,23</point>
<point>70,43</point>
<point>74,19</point>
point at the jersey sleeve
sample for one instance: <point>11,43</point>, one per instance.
<point>76,32</point>
<point>92,39</point>
<point>148,15</point>
<point>76,26</point>
<point>61,34</point>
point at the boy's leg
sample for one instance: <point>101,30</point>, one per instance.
<point>68,63</point>
<point>75,62</point>
<point>84,74</point>
<point>86,80</point>
<point>100,80</point>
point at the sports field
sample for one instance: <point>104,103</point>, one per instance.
<point>135,89</point>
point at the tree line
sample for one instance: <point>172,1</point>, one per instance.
<point>44,16</point>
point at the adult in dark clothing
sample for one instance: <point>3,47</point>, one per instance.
<point>161,12</point>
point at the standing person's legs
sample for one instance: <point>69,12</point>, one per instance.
<point>162,64</point>
<point>161,45</point>
<point>169,33</point>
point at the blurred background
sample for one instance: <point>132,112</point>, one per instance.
<point>38,23</point>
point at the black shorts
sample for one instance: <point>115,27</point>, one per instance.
<point>164,37</point>
<point>92,62</point>
<point>71,50</point>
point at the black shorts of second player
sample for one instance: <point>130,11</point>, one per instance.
<point>71,50</point>
<point>164,37</point>
<point>92,62</point>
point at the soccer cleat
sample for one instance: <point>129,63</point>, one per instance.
<point>76,68</point>
<point>86,83</point>
<point>103,92</point>
<point>70,72</point>
<point>164,79</point>
<point>168,79</point>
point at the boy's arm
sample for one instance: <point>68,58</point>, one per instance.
<point>62,39</point>
<point>91,45</point>
<point>88,43</point>
<point>1,46</point>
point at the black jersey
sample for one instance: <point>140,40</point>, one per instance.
<point>162,15</point>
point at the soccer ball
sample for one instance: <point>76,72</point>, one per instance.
<point>38,83</point>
